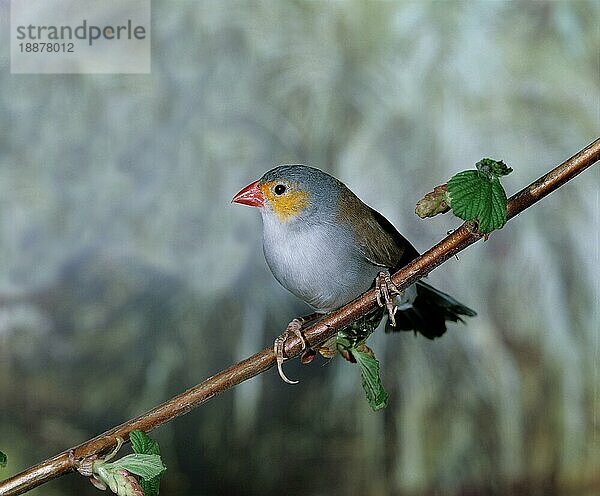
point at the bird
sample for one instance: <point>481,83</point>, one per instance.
<point>327,247</point>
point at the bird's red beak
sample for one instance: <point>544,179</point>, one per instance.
<point>250,195</point>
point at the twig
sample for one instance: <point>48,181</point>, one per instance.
<point>461,238</point>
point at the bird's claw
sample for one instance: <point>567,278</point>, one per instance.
<point>293,328</point>
<point>385,289</point>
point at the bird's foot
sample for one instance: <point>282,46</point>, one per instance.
<point>294,328</point>
<point>385,290</point>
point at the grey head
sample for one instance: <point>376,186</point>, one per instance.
<point>301,193</point>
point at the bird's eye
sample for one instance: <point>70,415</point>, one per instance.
<point>279,189</point>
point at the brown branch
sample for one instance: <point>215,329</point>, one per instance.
<point>461,238</point>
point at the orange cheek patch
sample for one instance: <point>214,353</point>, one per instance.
<point>288,205</point>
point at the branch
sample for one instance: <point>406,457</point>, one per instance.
<point>466,235</point>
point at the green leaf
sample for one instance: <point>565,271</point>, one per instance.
<point>144,465</point>
<point>371,380</point>
<point>493,215</point>
<point>143,443</point>
<point>3,460</point>
<point>477,195</point>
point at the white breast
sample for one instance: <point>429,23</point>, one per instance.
<point>318,263</point>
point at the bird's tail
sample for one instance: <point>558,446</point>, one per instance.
<point>429,312</point>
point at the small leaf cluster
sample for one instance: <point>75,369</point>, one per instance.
<point>472,195</point>
<point>3,460</point>
<point>120,476</point>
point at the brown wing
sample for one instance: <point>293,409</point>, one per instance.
<point>406,250</point>
<point>379,240</point>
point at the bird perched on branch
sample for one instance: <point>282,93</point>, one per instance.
<point>327,247</point>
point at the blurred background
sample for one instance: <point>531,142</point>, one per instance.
<point>126,276</point>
